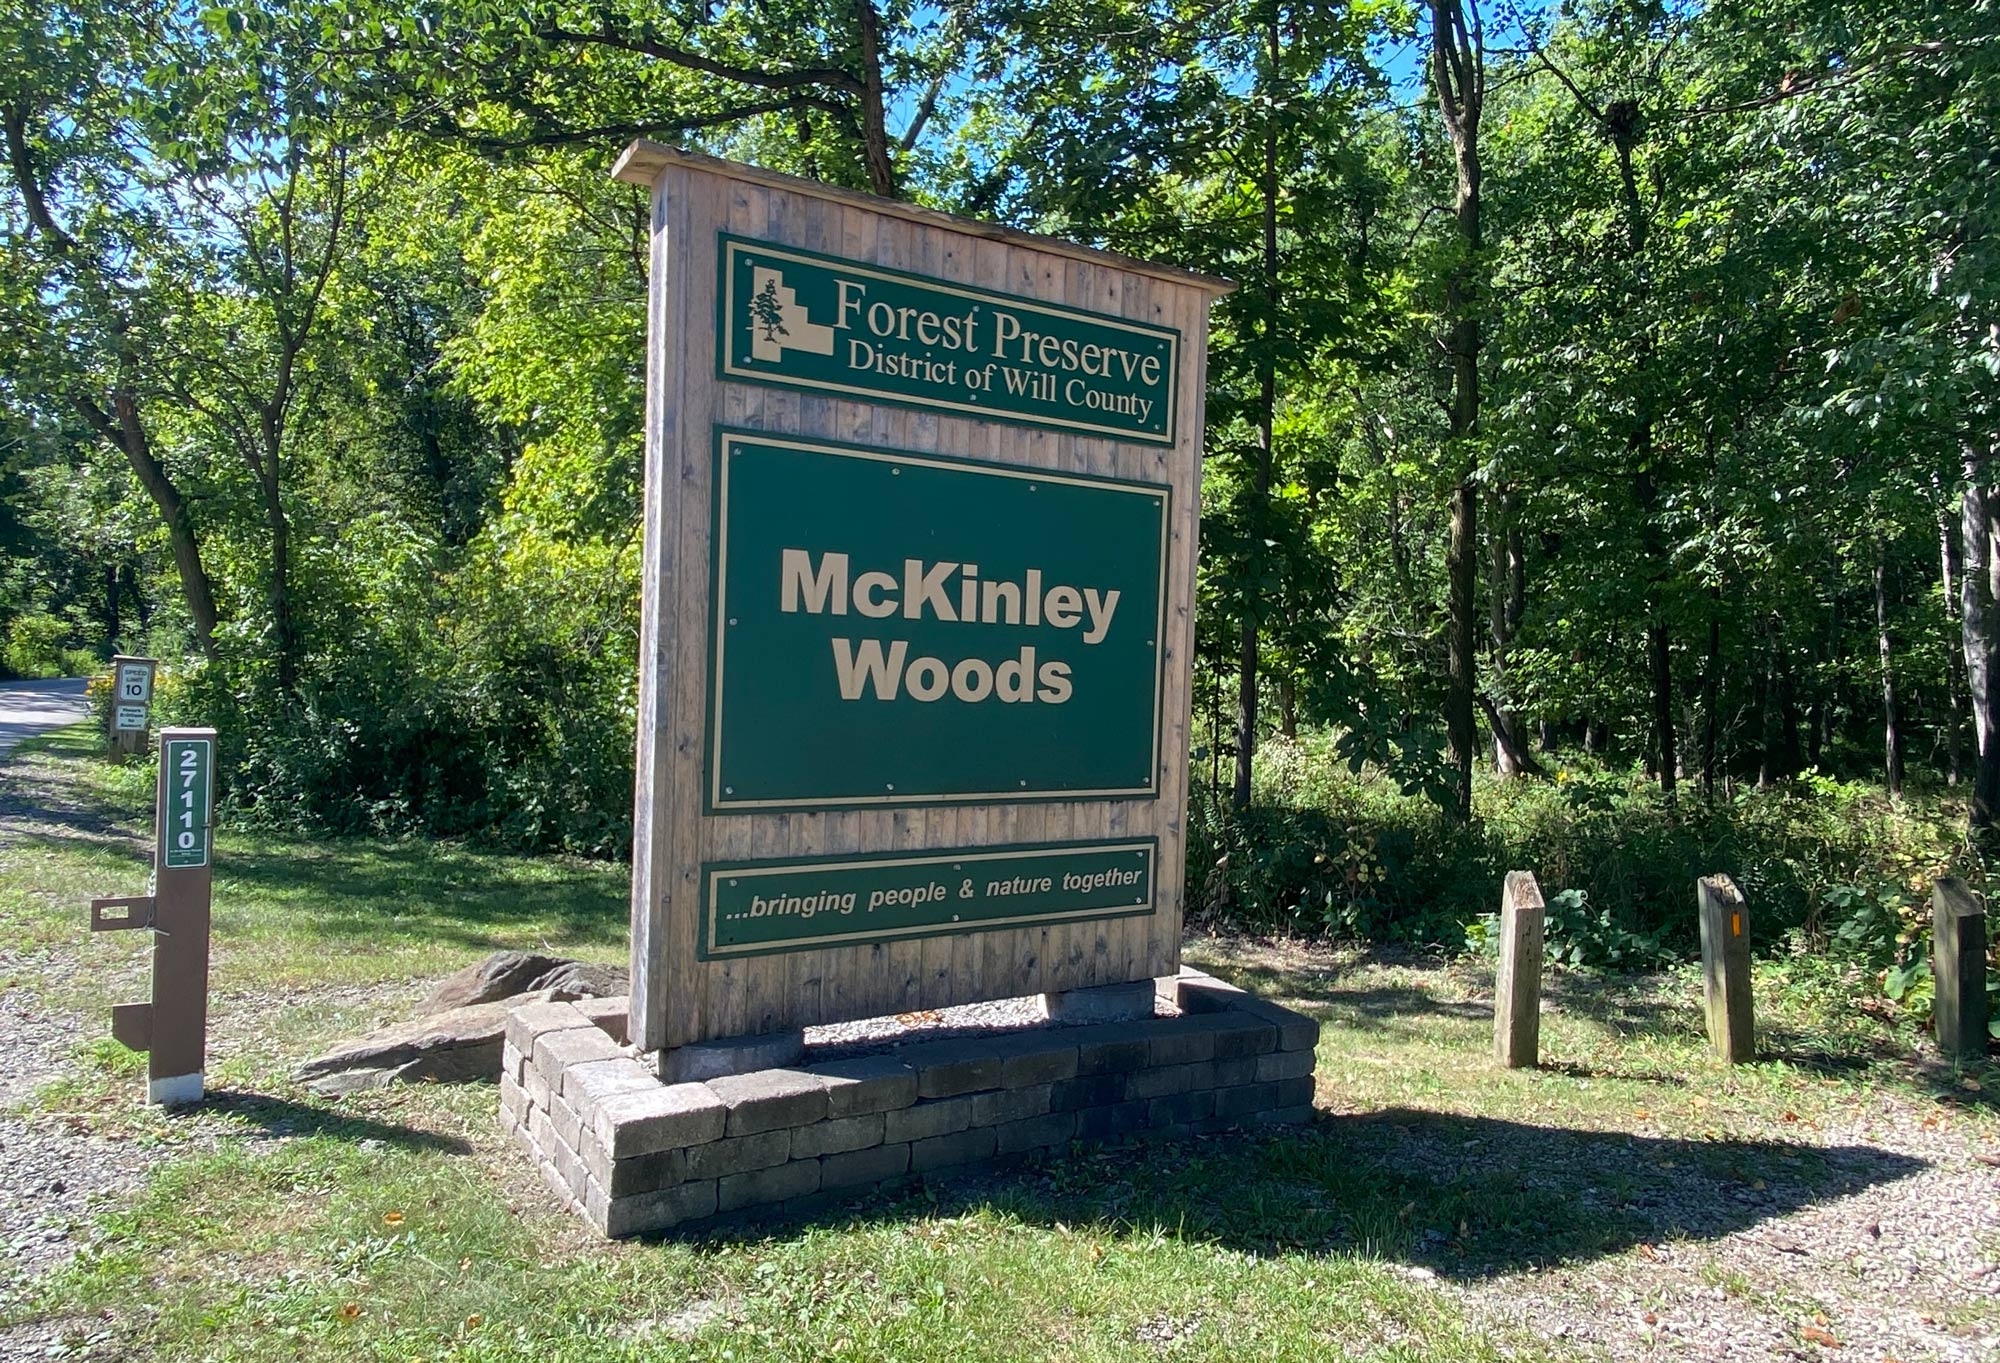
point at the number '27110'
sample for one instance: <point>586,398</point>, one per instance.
<point>189,764</point>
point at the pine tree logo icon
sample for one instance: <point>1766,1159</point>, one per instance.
<point>778,321</point>
<point>768,311</point>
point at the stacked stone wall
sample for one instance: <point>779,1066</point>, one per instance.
<point>633,1154</point>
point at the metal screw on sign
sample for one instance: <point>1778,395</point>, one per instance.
<point>173,1027</point>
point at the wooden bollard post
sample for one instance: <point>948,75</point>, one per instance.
<point>1958,969</point>
<point>1725,968</point>
<point>173,1026</point>
<point>1517,985</point>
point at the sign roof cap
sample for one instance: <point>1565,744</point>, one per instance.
<point>643,161</point>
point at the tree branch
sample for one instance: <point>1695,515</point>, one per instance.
<point>830,76</point>
<point>21,157</point>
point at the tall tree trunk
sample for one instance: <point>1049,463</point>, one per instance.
<point>1785,691</point>
<point>1949,571</point>
<point>1659,651</point>
<point>125,430</point>
<point>284,619</point>
<point>1288,707</point>
<point>1979,628</point>
<point>1267,413</point>
<point>1458,72</point>
<point>1507,597</point>
<point>1826,689</point>
<point>1711,694</point>
<point>269,472</point>
<point>1622,123</point>
<point>1892,736</point>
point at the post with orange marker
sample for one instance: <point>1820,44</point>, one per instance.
<point>1725,968</point>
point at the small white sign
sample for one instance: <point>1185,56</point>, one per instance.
<point>131,717</point>
<point>135,686</point>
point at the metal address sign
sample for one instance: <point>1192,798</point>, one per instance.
<point>754,908</point>
<point>187,770</point>
<point>893,628</point>
<point>805,320</point>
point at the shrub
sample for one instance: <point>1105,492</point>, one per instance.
<point>35,643</point>
<point>1329,852</point>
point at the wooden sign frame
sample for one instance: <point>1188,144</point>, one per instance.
<point>128,739</point>
<point>682,991</point>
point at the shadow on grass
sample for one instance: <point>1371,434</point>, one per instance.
<point>1638,1074</point>
<point>276,1116</point>
<point>344,890</point>
<point>1467,1197</point>
<point>347,888</point>
<point>1381,1007</point>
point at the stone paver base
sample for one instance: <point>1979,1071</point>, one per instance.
<point>633,1154</point>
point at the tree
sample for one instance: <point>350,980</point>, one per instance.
<point>86,235</point>
<point>1458,73</point>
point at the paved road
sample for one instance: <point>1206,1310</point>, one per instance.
<point>34,707</point>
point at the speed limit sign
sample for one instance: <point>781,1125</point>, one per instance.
<point>135,683</point>
<point>131,703</point>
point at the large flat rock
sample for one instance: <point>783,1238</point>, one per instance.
<point>458,1045</point>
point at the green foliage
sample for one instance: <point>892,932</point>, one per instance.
<point>1873,923</point>
<point>1325,852</point>
<point>337,302</point>
<point>36,645</point>
<point>1576,934</point>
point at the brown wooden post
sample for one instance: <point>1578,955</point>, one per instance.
<point>1725,968</point>
<point>1958,968</point>
<point>1517,986</point>
<point>173,1027</point>
<point>131,704</point>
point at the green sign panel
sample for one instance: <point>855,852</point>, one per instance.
<point>804,320</point>
<point>897,628</point>
<point>756,908</point>
<point>188,772</point>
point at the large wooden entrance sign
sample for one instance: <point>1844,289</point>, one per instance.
<point>920,517</point>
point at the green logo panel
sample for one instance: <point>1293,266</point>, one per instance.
<point>187,767</point>
<point>804,320</point>
<point>758,907</point>
<point>893,628</point>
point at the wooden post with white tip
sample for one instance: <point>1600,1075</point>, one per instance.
<point>1517,984</point>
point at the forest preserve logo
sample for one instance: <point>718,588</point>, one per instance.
<point>806,321</point>
<point>778,323</point>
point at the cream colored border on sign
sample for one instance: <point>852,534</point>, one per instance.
<point>710,907</point>
<point>719,616</point>
<point>730,369</point>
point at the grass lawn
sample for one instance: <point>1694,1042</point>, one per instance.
<point>1419,1218</point>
